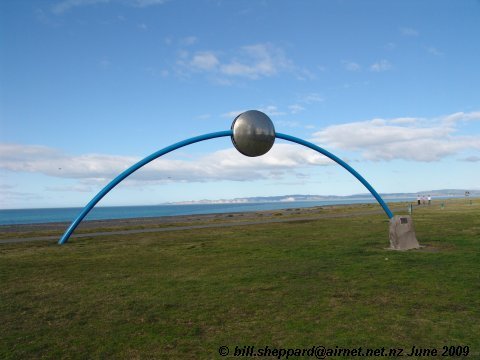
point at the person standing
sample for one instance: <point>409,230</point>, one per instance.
<point>429,199</point>
<point>418,199</point>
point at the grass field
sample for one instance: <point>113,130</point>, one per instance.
<point>184,294</point>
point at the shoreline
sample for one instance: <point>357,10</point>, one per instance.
<point>159,221</point>
<point>100,219</point>
<point>93,228</point>
<point>180,219</point>
<point>133,213</point>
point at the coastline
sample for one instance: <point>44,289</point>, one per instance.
<point>230,218</point>
<point>180,219</point>
<point>29,216</point>
<point>66,215</point>
<point>49,229</point>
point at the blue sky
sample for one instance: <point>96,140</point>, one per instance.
<point>88,87</point>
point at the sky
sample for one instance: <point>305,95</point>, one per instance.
<point>89,87</point>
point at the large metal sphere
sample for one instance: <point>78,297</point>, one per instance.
<point>253,133</point>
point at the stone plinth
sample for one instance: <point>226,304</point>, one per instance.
<point>402,233</point>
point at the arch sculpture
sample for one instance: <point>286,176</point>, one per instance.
<point>252,134</point>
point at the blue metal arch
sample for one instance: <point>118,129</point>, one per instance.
<point>131,170</point>
<point>196,139</point>
<point>343,164</point>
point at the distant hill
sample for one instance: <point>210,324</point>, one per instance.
<point>302,197</point>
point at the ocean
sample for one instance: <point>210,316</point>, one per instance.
<point>35,216</point>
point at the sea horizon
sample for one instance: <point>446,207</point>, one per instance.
<point>68,214</point>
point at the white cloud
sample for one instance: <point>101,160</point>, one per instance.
<point>272,110</point>
<point>295,108</point>
<point>404,120</point>
<point>232,114</point>
<point>408,31</point>
<point>303,74</point>
<point>402,138</point>
<point>236,69</point>
<point>144,3</point>
<point>311,98</point>
<point>351,65</point>
<point>67,5</point>
<point>461,117</point>
<point>81,187</point>
<point>157,72</point>
<point>204,61</point>
<point>472,158</point>
<point>188,41</point>
<point>49,161</point>
<point>6,187</point>
<point>434,51</point>
<point>259,60</point>
<point>182,55</point>
<point>287,123</point>
<point>251,62</point>
<point>226,164</point>
<point>9,197</point>
<point>382,65</point>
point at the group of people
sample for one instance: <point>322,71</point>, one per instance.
<point>422,199</point>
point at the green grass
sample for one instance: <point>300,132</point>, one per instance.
<point>183,294</point>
